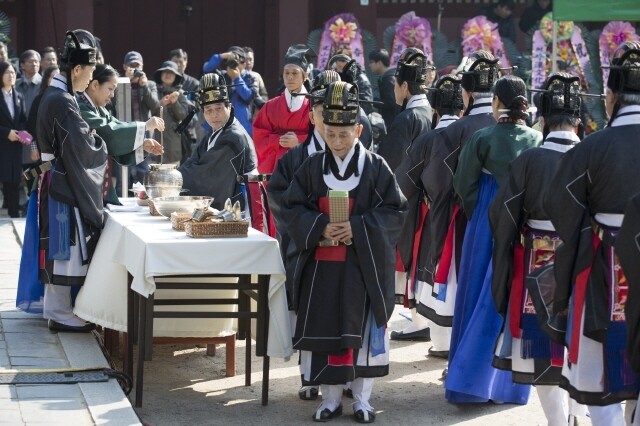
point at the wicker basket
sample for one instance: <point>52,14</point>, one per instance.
<point>178,220</point>
<point>210,229</point>
<point>152,209</point>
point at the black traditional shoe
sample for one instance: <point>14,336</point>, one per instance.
<point>444,374</point>
<point>423,335</point>
<point>308,393</point>
<point>438,354</point>
<point>365,416</point>
<point>326,414</point>
<point>58,326</point>
<point>348,393</point>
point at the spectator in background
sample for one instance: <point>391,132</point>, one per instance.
<point>190,85</point>
<point>49,58</point>
<point>4,54</point>
<point>29,84</point>
<point>12,118</point>
<point>351,72</point>
<point>233,64</point>
<point>379,63</point>
<point>180,57</point>
<point>533,14</point>
<point>144,102</point>
<point>176,107</point>
<point>263,96</point>
<point>501,13</point>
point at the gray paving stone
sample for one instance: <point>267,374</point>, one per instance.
<point>34,362</point>
<point>16,314</point>
<point>4,360</point>
<point>11,416</point>
<point>64,392</point>
<point>26,325</point>
<point>9,404</point>
<point>51,411</point>
<point>36,349</point>
<point>7,392</point>
<point>15,339</point>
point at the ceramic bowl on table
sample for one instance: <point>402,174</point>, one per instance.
<point>180,204</point>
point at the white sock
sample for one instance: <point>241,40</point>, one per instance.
<point>418,322</point>
<point>609,415</point>
<point>554,404</point>
<point>362,387</point>
<point>57,305</point>
<point>331,397</point>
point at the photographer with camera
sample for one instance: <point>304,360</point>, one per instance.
<point>144,102</point>
<point>242,89</point>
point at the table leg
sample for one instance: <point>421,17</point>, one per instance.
<point>262,333</point>
<point>148,330</point>
<point>247,353</point>
<point>142,319</point>
<point>131,325</point>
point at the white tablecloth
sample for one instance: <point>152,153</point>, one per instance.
<point>148,247</point>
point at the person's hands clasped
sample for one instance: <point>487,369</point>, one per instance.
<point>171,98</point>
<point>152,146</point>
<point>338,231</point>
<point>288,140</point>
<point>155,123</point>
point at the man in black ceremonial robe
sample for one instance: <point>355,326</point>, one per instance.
<point>224,154</point>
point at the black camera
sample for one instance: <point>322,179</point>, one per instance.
<point>232,63</point>
<point>137,73</point>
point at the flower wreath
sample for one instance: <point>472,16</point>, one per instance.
<point>480,33</point>
<point>571,49</point>
<point>341,32</point>
<point>613,35</point>
<point>411,31</point>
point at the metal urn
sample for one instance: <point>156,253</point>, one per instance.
<point>163,180</point>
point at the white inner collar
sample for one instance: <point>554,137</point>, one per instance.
<point>294,103</point>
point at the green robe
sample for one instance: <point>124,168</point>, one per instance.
<point>123,139</point>
<point>493,149</point>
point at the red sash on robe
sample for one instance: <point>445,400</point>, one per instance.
<point>446,257</point>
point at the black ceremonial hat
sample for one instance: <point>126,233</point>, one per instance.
<point>320,84</point>
<point>624,75</point>
<point>300,55</point>
<point>412,66</point>
<point>446,93</point>
<point>482,73</point>
<point>561,95</point>
<point>213,89</point>
<point>341,104</point>
<point>78,52</point>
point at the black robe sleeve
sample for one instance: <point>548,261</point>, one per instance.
<point>506,217</point>
<point>566,203</point>
<point>375,235</point>
<point>408,177</point>
<point>215,172</point>
<point>81,157</point>
<point>628,251</point>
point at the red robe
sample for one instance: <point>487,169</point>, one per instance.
<point>273,121</point>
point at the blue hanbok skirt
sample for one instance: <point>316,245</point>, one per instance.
<point>476,322</point>
<point>30,289</point>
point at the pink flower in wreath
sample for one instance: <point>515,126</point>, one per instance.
<point>617,32</point>
<point>480,33</point>
<point>343,32</point>
<point>412,30</point>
